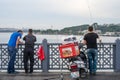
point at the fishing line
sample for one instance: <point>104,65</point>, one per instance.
<point>90,13</point>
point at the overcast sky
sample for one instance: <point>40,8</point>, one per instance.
<point>57,14</point>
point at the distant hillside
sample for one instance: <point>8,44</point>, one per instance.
<point>78,30</point>
<point>7,29</point>
<point>104,28</point>
<point>10,30</point>
<point>109,28</point>
<point>74,29</point>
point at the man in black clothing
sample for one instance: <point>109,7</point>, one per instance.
<point>90,39</point>
<point>29,51</point>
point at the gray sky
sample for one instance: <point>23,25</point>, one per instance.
<point>57,14</point>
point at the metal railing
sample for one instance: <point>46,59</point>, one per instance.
<point>107,57</point>
<point>4,58</point>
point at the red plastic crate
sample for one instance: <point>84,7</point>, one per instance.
<point>69,50</point>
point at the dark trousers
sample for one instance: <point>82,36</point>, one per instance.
<point>28,55</point>
<point>12,53</point>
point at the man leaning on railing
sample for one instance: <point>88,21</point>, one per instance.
<point>12,50</point>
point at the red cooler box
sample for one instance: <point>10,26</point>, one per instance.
<point>69,50</point>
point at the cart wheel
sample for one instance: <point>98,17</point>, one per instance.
<point>61,77</point>
<point>75,79</point>
<point>83,73</point>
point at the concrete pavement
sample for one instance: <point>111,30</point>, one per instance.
<point>56,76</point>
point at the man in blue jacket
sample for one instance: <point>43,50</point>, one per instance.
<point>12,49</point>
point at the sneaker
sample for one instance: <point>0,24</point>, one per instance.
<point>94,73</point>
<point>15,72</point>
<point>8,72</point>
<point>26,71</point>
<point>90,73</point>
<point>31,72</point>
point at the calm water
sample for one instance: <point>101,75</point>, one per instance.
<point>4,37</point>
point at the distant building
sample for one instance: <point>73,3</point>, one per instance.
<point>98,31</point>
<point>112,34</point>
<point>109,33</point>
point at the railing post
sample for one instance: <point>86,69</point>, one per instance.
<point>45,62</point>
<point>117,57</point>
<point>114,56</point>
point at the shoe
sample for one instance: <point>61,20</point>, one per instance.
<point>31,72</point>
<point>94,73</point>
<point>26,71</point>
<point>15,72</point>
<point>8,72</point>
<point>90,73</point>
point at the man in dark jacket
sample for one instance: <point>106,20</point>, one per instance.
<point>90,39</point>
<point>29,51</point>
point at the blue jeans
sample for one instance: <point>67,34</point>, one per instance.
<point>12,53</point>
<point>92,58</point>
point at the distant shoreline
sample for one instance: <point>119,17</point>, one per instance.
<point>58,34</point>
